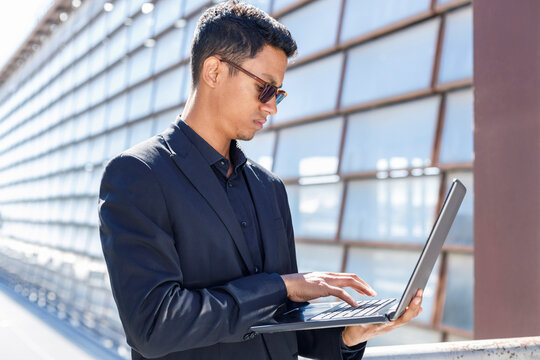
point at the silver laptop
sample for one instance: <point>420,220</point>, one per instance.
<point>304,316</point>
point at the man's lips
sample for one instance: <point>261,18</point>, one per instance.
<point>260,122</point>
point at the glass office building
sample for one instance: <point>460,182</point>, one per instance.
<point>378,121</point>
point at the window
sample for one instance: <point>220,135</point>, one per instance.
<point>310,35</point>
<point>168,49</point>
<point>140,65</point>
<point>457,54</point>
<point>391,210</point>
<point>312,88</point>
<point>319,257</point>
<point>315,209</point>
<point>167,11</point>
<point>140,131</point>
<point>117,111</point>
<point>281,4</point>
<point>116,78</point>
<point>169,87</point>
<point>461,232</point>
<point>308,150</point>
<point>459,302</point>
<point>116,46</point>
<point>140,100</point>
<point>117,16</point>
<point>140,30</point>
<point>458,135</point>
<point>98,89</point>
<point>361,17</point>
<point>261,148</point>
<point>116,142</point>
<point>392,137</point>
<point>387,272</point>
<point>392,65</point>
<point>97,119</point>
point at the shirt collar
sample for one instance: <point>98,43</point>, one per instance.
<point>210,154</point>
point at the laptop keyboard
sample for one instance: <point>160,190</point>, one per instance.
<point>345,311</point>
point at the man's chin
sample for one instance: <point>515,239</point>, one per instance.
<point>245,137</point>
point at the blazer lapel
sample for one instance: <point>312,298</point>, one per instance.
<point>266,214</point>
<point>189,161</point>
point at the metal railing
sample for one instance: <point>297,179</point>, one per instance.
<point>514,348</point>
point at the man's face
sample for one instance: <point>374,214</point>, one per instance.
<point>241,114</point>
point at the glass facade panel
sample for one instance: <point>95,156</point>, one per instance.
<point>117,111</point>
<point>169,87</point>
<point>387,271</point>
<point>116,46</point>
<point>315,209</point>
<point>461,232</point>
<point>281,4</point>
<point>361,17</point>
<point>318,257</point>
<point>116,78</point>
<point>306,96</point>
<point>392,137</point>
<point>261,148</point>
<point>168,49</point>
<point>457,137</point>
<point>458,307</point>
<point>391,65</point>
<point>457,55</point>
<point>140,131</point>
<point>312,36</point>
<point>140,65</point>
<point>166,13</point>
<point>140,100</point>
<point>308,150</point>
<point>140,30</point>
<point>392,210</point>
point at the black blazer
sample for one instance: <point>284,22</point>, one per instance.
<point>180,270</point>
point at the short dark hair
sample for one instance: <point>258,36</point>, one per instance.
<point>236,31</point>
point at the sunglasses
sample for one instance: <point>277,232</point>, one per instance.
<point>268,90</point>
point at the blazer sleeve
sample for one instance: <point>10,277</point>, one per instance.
<point>158,314</point>
<point>322,343</point>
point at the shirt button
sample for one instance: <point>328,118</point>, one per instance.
<point>244,224</point>
<point>229,183</point>
<point>257,270</point>
<point>222,163</point>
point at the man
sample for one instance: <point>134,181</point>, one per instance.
<point>198,239</point>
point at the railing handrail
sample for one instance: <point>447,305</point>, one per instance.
<point>511,348</point>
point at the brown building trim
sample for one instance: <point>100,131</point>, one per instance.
<point>506,144</point>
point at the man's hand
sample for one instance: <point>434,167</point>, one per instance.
<point>353,335</point>
<point>309,286</point>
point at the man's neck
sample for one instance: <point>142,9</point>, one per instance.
<point>196,116</point>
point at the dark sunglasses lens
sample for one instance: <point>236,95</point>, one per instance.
<point>280,96</point>
<point>267,93</point>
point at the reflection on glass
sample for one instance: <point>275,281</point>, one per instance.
<point>281,4</point>
<point>318,257</point>
<point>168,49</point>
<point>394,210</point>
<point>392,137</point>
<point>310,149</point>
<point>168,88</point>
<point>387,271</point>
<point>458,307</point>
<point>361,17</point>
<point>391,65</point>
<point>116,46</point>
<point>315,209</point>
<point>140,65</point>
<point>140,100</point>
<point>140,30</point>
<point>260,148</point>
<point>457,136</point>
<point>167,11</point>
<point>457,54</point>
<point>140,131</point>
<point>116,142</point>
<point>461,232</point>
<point>311,89</point>
<point>116,78</point>
<point>312,36</point>
<point>117,110</point>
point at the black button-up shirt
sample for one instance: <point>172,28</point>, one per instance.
<point>236,188</point>
<point>239,195</point>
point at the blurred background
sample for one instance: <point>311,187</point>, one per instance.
<point>378,121</point>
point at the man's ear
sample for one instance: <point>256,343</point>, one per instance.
<point>210,72</point>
